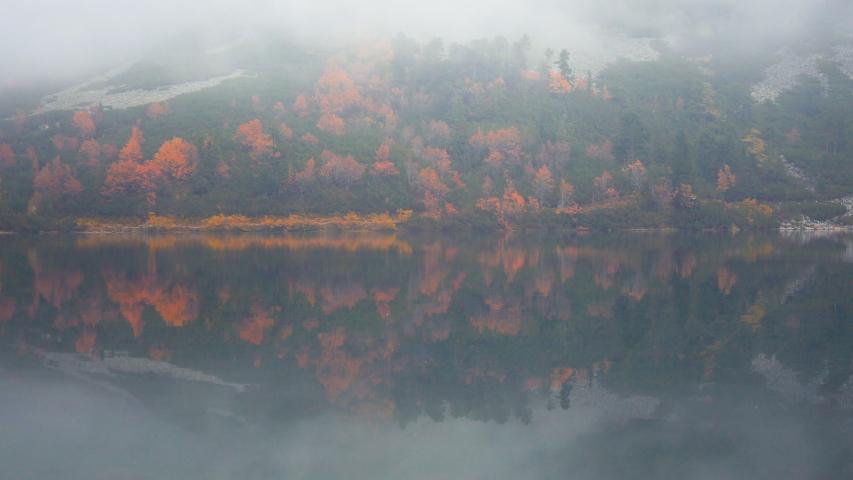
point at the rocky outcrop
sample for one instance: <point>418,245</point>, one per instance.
<point>784,74</point>
<point>79,96</point>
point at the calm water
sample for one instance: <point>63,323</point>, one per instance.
<point>381,356</point>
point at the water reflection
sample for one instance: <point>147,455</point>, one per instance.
<point>644,330</point>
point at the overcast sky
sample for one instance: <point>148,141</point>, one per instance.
<point>42,37</point>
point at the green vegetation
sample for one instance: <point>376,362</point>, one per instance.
<point>465,135</point>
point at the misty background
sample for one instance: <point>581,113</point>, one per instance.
<point>52,39</point>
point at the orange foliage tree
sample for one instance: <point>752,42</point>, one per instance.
<point>567,192</point>
<point>543,183</point>
<point>341,171</point>
<point>433,190</point>
<point>132,152</point>
<point>382,166</point>
<point>508,208</point>
<point>285,131</point>
<point>252,135</point>
<point>7,156</point>
<point>559,83</point>
<point>177,158</point>
<point>158,111</point>
<point>89,152</point>
<point>503,146</point>
<point>309,139</point>
<point>438,132</point>
<point>66,144</point>
<point>336,92</point>
<point>725,179</point>
<point>55,181</point>
<point>301,105</point>
<point>602,185</point>
<point>85,125</point>
<point>636,173</point>
<point>125,178</point>
<point>329,122</point>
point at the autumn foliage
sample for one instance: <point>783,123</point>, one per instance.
<point>132,152</point>
<point>341,171</point>
<point>177,158</point>
<point>252,135</point>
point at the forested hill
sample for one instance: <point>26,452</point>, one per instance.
<point>486,134</point>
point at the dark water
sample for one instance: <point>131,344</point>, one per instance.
<point>382,356</point>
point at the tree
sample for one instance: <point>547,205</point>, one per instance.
<point>56,181</point>
<point>341,171</point>
<point>309,139</point>
<point>503,145</point>
<point>433,190</point>
<point>554,155</point>
<point>89,152</point>
<point>636,173</point>
<point>285,132</point>
<point>158,111</point>
<point>725,179</point>
<point>383,166</point>
<point>543,183</point>
<point>559,84</point>
<point>563,65</point>
<point>438,159</point>
<point>126,178</point>
<point>663,194</point>
<point>439,132</point>
<point>567,192</point>
<point>335,91</point>
<point>601,185</point>
<point>329,122</point>
<point>301,105</point>
<point>177,158</point>
<point>7,156</point>
<point>304,178</point>
<point>252,135</point>
<point>132,152</point>
<point>85,125</point>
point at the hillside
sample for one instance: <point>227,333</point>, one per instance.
<point>486,134</point>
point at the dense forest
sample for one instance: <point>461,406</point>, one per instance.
<point>486,134</point>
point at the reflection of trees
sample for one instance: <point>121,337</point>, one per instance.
<point>398,328</point>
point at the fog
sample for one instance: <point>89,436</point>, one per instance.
<point>58,428</point>
<point>49,38</point>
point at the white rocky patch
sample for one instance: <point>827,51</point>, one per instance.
<point>77,97</point>
<point>611,49</point>
<point>783,75</point>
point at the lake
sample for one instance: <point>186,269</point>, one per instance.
<point>389,356</point>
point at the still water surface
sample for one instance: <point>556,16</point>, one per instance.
<point>383,356</point>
